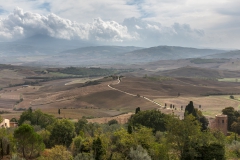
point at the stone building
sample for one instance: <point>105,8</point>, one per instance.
<point>220,123</point>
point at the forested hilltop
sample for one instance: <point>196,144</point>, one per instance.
<point>148,135</point>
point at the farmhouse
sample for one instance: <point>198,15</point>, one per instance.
<point>5,123</point>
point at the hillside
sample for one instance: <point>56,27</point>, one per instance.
<point>170,52</point>
<point>101,50</point>
<point>112,55</point>
<point>198,72</point>
<point>228,55</point>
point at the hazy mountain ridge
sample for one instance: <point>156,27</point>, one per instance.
<point>43,50</point>
<point>228,55</point>
<point>173,52</point>
<point>111,50</point>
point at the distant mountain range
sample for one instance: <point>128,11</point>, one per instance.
<point>170,52</point>
<point>44,50</point>
<point>39,44</point>
<point>100,55</point>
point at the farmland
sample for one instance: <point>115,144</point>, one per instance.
<point>91,97</point>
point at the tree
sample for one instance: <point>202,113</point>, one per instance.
<point>62,132</point>
<point>137,110</point>
<point>212,151</point>
<point>84,156</point>
<point>13,120</point>
<point>59,112</point>
<point>29,142</point>
<point>98,149</point>
<point>151,118</point>
<point>36,118</point>
<point>80,125</point>
<point>25,116</point>
<point>204,122</point>
<point>58,152</point>
<point>190,109</point>
<point>139,154</point>
<point>232,115</point>
<point>76,145</point>
<point>235,127</point>
<point>113,121</point>
<point>6,139</point>
<point>45,134</point>
<point>197,114</point>
<point>182,135</point>
<point>130,130</point>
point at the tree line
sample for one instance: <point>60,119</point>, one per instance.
<point>148,135</point>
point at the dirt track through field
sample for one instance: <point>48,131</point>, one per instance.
<point>133,94</point>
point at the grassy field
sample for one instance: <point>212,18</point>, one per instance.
<point>229,79</point>
<point>210,105</point>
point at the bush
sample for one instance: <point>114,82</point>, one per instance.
<point>139,154</point>
<point>84,156</point>
<point>113,121</point>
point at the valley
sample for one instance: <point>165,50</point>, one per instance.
<point>94,97</point>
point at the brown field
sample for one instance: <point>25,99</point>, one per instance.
<point>102,103</point>
<point>74,100</point>
<point>187,87</point>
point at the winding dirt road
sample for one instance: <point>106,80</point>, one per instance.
<point>130,94</point>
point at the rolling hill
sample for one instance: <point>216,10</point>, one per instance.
<point>127,55</point>
<point>227,55</point>
<point>170,52</point>
<point>198,72</point>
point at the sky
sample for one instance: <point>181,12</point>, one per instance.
<point>146,23</point>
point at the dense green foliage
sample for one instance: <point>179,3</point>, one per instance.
<point>232,116</point>
<point>90,72</point>
<point>36,118</point>
<point>197,114</point>
<point>148,135</point>
<point>150,118</point>
<point>30,143</point>
<point>62,132</point>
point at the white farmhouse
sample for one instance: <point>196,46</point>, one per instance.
<point>5,123</point>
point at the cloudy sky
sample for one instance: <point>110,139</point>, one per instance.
<point>203,24</point>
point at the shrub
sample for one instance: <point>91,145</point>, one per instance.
<point>139,154</point>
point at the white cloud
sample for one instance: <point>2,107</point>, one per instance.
<point>109,30</point>
<point>218,18</point>
<point>21,24</point>
<point>153,33</point>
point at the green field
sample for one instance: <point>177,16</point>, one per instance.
<point>229,79</point>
